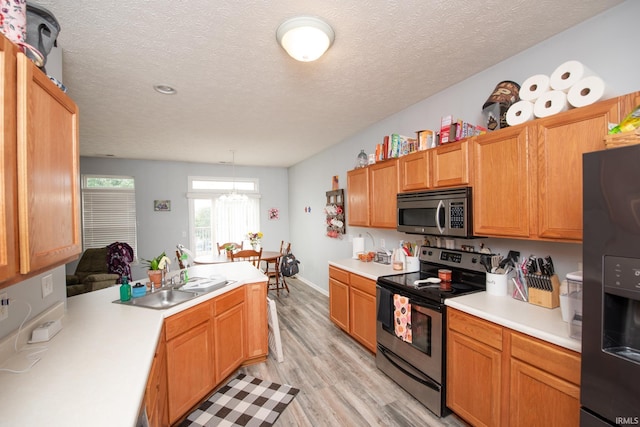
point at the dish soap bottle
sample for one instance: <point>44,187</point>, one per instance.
<point>125,289</point>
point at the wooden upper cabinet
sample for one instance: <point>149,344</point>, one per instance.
<point>358,197</point>
<point>383,191</point>
<point>8,184</point>
<point>414,171</point>
<point>48,171</point>
<point>450,164</point>
<point>502,183</point>
<point>627,103</point>
<point>561,142</point>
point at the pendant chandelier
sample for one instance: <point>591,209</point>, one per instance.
<point>233,194</point>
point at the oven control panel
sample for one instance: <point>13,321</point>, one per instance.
<point>451,258</point>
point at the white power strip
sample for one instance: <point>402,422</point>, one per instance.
<point>46,331</point>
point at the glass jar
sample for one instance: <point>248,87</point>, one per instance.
<point>362,159</point>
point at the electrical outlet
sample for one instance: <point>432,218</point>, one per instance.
<point>47,285</point>
<point>382,243</point>
<point>4,307</point>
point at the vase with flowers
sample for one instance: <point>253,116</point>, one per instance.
<point>254,239</point>
<point>156,269</point>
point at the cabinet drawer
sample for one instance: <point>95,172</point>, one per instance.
<point>365,285</point>
<point>478,329</point>
<point>548,357</point>
<point>228,300</point>
<point>340,275</point>
<point>182,322</point>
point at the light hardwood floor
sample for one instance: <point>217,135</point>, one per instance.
<point>338,379</point>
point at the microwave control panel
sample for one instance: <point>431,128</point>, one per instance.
<point>456,215</point>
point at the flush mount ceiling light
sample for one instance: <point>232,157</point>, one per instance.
<point>305,38</point>
<point>165,89</point>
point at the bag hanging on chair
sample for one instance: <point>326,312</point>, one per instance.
<point>289,265</point>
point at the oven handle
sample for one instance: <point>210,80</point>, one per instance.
<point>426,381</point>
<point>440,206</point>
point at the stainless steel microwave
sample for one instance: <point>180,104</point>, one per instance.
<point>438,212</point>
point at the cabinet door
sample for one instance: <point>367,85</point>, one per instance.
<point>48,171</point>
<point>562,140</point>
<point>256,310</point>
<point>363,318</point>
<point>473,380</point>
<point>539,398</point>
<point>339,303</point>
<point>383,191</point>
<point>8,185</point>
<point>358,196</point>
<point>156,392</point>
<point>414,171</point>
<point>229,341</point>
<point>502,183</point>
<point>450,164</point>
<point>627,103</point>
<point>190,373</point>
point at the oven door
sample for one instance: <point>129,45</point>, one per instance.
<point>425,350</point>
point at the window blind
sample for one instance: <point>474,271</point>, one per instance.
<point>108,216</point>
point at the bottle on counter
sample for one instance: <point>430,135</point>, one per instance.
<point>398,258</point>
<point>125,289</point>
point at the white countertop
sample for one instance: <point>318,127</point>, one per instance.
<point>371,270</point>
<point>94,371</point>
<point>539,322</point>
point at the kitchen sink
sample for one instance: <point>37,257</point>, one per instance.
<point>161,299</point>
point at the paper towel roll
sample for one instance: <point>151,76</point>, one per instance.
<point>534,86</point>
<point>550,103</point>
<point>568,74</point>
<point>520,112</point>
<point>588,91</point>
<point>358,246</point>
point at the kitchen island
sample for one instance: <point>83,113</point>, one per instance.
<point>95,370</point>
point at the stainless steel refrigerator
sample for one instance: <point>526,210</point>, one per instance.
<point>610,383</point>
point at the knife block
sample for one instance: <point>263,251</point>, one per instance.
<point>546,298</point>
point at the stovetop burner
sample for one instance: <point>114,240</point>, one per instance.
<point>467,275</point>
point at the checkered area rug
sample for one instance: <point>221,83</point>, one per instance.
<point>244,401</point>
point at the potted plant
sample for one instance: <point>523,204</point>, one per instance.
<point>228,249</point>
<point>156,267</point>
<point>254,238</point>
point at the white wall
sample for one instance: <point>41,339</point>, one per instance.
<point>602,43</point>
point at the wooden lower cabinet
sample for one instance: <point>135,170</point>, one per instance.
<point>156,403</point>
<point>497,376</point>
<point>352,305</point>
<point>362,310</point>
<point>257,331</point>
<point>201,346</point>
<point>190,363</point>
<point>339,297</point>
<point>229,338</point>
<point>474,369</point>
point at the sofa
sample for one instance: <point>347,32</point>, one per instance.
<point>92,273</point>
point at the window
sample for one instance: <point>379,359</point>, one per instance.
<point>221,210</point>
<point>108,211</point>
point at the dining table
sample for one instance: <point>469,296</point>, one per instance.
<point>267,256</point>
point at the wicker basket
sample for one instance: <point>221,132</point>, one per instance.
<point>622,139</point>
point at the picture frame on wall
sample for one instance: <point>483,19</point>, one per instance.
<point>162,205</point>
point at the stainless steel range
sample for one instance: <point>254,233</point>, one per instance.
<point>411,328</point>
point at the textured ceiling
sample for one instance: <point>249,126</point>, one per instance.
<point>238,89</point>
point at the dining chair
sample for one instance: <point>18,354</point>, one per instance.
<point>250,255</point>
<point>272,271</point>
<point>222,247</point>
